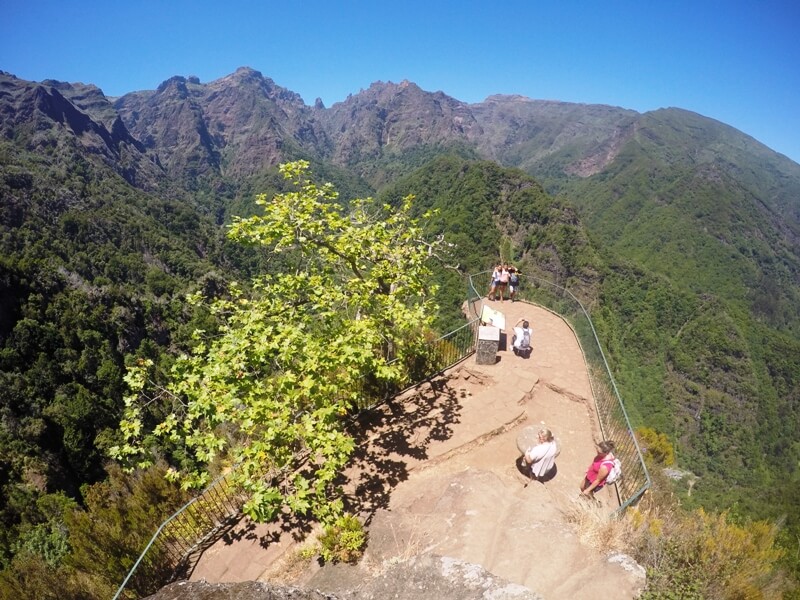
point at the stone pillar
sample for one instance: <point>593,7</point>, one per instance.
<point>488,344</point>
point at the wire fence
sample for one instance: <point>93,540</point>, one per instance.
<point>614,422</point>
<point>215,509</point>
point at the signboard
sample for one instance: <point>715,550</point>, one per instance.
<point>490,316</point>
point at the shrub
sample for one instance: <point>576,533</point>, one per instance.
<point>655,446</point>
<point>704,555</point>
<point>343,541</point>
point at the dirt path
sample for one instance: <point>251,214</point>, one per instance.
<point>436,473</point>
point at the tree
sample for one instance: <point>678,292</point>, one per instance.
<point>271,389</point>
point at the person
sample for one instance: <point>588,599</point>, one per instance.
<point>513,282</point>
<point>521,340</point>
<point>542,456</point>
<point>502,283</point>
<point>599,469</point>
<point>495,281</point>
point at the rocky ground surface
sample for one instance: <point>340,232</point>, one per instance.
<point>449,514</point>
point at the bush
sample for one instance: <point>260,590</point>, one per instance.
<point>656,447</point>
<point>343,541</point>
<point>704,555</point>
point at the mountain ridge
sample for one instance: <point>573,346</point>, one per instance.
<point>679,232</point>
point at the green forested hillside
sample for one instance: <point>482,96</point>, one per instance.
<point>680,235</point>
<point>700,303</point>
<point>481,207</point>
<point>691,361</point>
<point>709,220</point>
<point>92,273</point>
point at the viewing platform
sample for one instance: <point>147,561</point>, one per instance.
<point>436,473</point>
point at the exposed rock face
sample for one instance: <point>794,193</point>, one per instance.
<point>525,132</point>
<point>57,118</point>
<point>430,576</point>
<point>424,577</point>
<point>244,122</point>
<point>397,117</point>
<point>248,590</point>
<point>236,125</point>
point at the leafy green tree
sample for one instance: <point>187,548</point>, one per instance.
<point>271,389</point>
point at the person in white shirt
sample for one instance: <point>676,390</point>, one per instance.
<point>521,340</point>
<point>542,456</point>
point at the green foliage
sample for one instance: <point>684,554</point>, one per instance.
<point>679,200</point>
<point>483,209</point>
<point>85,553</point>
<point>272,387</point>
<point>91,270</point>
<point>121,515</point>
<point>693,291</point>
<point>343,541</point>
<point>704,555</point>
<point>655,446</point>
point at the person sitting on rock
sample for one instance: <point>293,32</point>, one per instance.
<point>542,456</point>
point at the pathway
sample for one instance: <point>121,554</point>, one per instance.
<point>436,473</point>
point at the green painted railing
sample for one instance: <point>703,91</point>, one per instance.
<point>614,422</point>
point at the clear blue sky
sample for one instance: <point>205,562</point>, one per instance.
<point>734,61</point>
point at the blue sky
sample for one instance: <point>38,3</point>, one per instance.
<point>737,62</point>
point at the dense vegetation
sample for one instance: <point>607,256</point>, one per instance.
<point>352,303</point>
<point>92,273</point>
<point>480,208</point>
<point>700,325</point>
<point>700,309</point>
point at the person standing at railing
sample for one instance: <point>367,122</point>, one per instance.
<point>599,469</point>
<point>502,284</point>
<point>495,281</point>
<point>513,282</point>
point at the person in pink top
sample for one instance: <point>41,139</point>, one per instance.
<point>502,284</point>
<point>600,468</point>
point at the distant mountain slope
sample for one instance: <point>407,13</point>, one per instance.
<point>35,116</point>
<point>235,126</point>
<point>681,233</point>
<point>93,270</point>
<point>550,138</point>
<point>709,207</point>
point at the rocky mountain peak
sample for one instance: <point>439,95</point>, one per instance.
<point>79,119</point>
<point>176,84</point>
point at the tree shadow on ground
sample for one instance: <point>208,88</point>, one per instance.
<point>391,438</point>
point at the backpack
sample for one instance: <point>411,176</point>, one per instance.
<point>615,472</point>
<point>526,339</point>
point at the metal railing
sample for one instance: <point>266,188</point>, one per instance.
<point>614,422</point>
<point>217,507</point>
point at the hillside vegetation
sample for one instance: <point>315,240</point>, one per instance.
<point>679,234</point>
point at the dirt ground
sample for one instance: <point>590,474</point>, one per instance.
<point>436,473</point>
